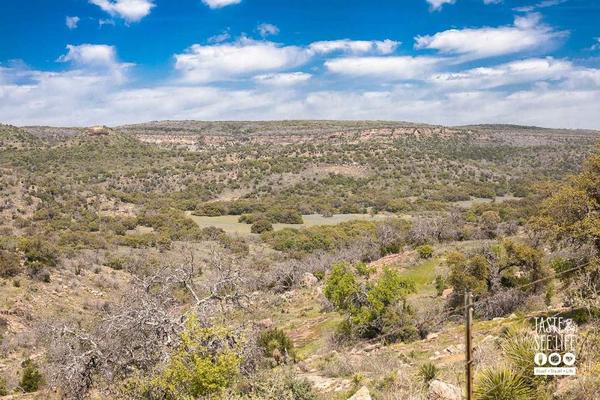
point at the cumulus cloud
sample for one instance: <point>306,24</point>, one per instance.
<point>220,3</point>
<point>231,60</point>
<point>527,33</point>
<point>90,54</point>
<point>512,73</point>
<point>72,22</point>
<point>355,46</point>
<point>81,98</point>
<point>283,79</point>
<point>265,29</point>
<point>99,58</point>
<point>95,87</point>
<point>129,10</point>
<point>246,57</point>
<point>387,68</point>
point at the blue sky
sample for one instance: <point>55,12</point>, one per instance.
<point>84,62</point>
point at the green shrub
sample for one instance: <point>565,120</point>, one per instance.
<point>428,372</point>
<point>38,253</point>
<point>211,210</point>
<point>272,384</point>
<point>10,264</point>
<point>425,251</point>
<point>115,263</point>
<point>31,379</point>
<point>440,284</point>
<point>285,216</point>
<point>261,226</point>
<point>501,384</point>
<point>364,269</point>
<point>301,390</point>
<point>276,340</point>
<point>371,308</point>
<point>324,237</point>
<point>206,362</point>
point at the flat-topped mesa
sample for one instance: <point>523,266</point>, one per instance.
<point>194,139</point>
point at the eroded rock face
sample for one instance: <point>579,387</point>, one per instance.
<point>439,390</point>
<point>362,394</point>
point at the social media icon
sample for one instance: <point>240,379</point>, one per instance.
<point>554,359</point>
<point>540,359</point>
<point>569,359</point>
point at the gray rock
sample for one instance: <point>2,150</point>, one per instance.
<point>309,280</point>
<point>439,390</point>
<point>362,394</point>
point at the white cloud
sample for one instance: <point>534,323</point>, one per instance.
<point>82,98</point>
<point>512,73</point>
<point>283,79</point>
<point>97,88</point>
<point>107,21</point>
<point>436,5</point>
<point>231,60</point>
<point>90,54</point>
<point>72,22</point>
<point>220,3</point>
<point>220,38</point>
<point>246,57</point>
<point>596,46</point>
<point>267,29</point>
<point>541,4</point>
<point>129,10</point>
<point>96,58</point>
<point>385,68</point>
<point>526,34</point>
<point>355,46</point>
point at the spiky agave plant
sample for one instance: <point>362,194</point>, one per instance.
<point>502,384</point>
<point>428,372</point>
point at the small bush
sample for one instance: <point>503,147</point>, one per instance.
<point>272,385</point>
<point>275,341</point>
<point>428,372</point>
<point>38,253</point>
<point>32,378</point>
<point>206,363</point>
<point>261,226</point>
<point>425,251</point>
<point>440,284</point>
<point>371,308</point>
<point>9,264</point>
<point>115,263</point>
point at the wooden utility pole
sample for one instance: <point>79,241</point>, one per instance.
<point>469,343</point>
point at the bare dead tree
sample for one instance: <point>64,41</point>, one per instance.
<point>140,331</point>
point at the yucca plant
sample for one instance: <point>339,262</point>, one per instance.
<point>519,349</point>
<point>502,384</point>
<point>428,372</point>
